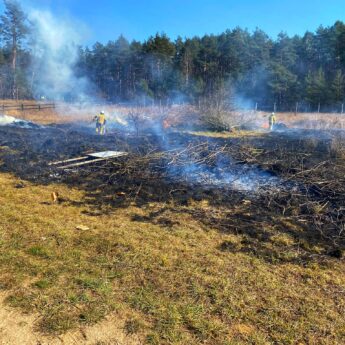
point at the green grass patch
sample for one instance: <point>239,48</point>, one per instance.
<point>40,251</point>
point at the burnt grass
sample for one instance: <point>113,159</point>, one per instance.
<point>312,213</point>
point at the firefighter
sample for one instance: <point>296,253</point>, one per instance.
<point>272,120</point>
<point>100,123</point>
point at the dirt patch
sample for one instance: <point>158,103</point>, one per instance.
<point>17,329</point>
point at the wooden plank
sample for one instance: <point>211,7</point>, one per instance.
<point>83,163</point>
<point>108,154</point>
<point>69,160</point>
<point>84,158</point>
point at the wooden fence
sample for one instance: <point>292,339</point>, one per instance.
<point>23,107</point>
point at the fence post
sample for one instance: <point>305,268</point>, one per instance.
<point>342,108</point>
<point>318,108</point>
<point>22,107</point>
<point>39,107</point>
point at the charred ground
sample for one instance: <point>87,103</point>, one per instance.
<point>309,164</point>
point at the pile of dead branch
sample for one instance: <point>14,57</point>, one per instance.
<point>165,164</point>
<point>315,169</point>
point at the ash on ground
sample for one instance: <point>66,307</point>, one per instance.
<point>6,120</point>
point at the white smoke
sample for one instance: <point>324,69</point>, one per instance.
<point>55,54</point>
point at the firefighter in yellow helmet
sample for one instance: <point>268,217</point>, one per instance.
<point>100,123</point>
<point>272,120</point>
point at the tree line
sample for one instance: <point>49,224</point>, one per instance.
<point>236,66</point>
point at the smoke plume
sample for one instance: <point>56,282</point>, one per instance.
<point>55,54</point>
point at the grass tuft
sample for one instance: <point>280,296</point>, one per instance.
<point>39,251</point>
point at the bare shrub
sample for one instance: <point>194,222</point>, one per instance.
<point>221,114</point>
<point>337,147</point>
<point>311,143</point>
<point>223,120</point>
<point>136,120</point>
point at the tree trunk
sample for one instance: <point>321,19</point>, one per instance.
<point>14,66</point>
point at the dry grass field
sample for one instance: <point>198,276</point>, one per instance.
<point>166,285</point>
<point>313,120</point>
<point>108,265</point>
<point>66,113</point>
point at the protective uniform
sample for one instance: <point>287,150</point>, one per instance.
<point>272,121</point>
<point>100,123</point>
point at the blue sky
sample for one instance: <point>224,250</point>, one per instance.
<point>107,19</point>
